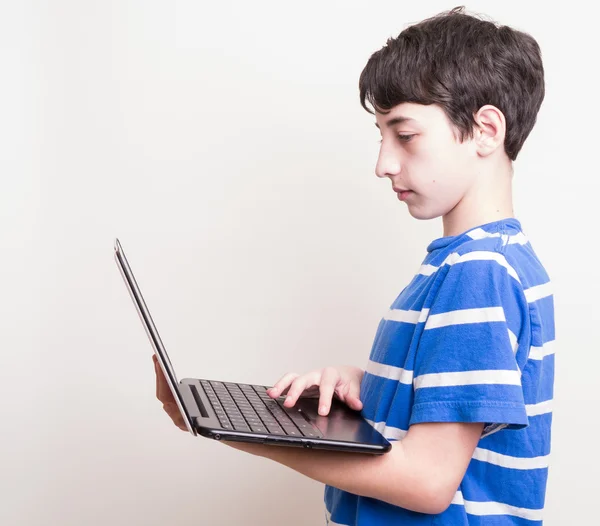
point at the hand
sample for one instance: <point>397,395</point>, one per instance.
<point>164,394</point>
<point>343,382</point>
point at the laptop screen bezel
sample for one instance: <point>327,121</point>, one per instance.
<point>152,332</point>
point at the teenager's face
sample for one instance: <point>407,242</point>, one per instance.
<point>420,154</point>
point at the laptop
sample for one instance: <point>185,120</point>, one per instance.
<point>242,412</point>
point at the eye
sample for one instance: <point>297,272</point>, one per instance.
<point>403,138</point>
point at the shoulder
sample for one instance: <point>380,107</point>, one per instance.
<point>479,274</point>
<point>497,252</point>
<point>481,259</point>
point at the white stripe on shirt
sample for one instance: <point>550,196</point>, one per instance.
<point>406,316</point>
<point>514,343</point>
<point>457,317</point>
<point>476,255</point>
<point>480,233</point>
<point>538,292</point>
<point>427,270</point>
<point>506,461</point>
<point>539,353</point>
<point>389,432</point>
<point>497,508</point>
<point>499,377</point>
<point>519,238</point>
<point>484,255</point>
<point>539,409</point>
<point>390,372</point>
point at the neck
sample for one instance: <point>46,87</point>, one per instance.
<point>490,199</point>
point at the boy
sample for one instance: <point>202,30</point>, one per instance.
<point>460,375</point>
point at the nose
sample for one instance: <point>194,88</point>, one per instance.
<point>388,162</point>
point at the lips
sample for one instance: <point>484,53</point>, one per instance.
<point>402,193</point>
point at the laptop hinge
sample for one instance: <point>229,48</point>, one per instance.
<point>192,401</point>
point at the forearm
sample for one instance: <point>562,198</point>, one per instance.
<point>421,473</point>
<point>390,477</point>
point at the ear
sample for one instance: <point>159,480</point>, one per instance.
<point>490,130</point>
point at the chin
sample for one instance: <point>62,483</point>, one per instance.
<point>420,210</point>
<point>419,213</point>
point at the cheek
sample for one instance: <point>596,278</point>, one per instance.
<point>436,180</point>
<point>437,169</point>
<point>440,192</point>
<point>445,176</point>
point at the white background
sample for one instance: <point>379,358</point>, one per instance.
<point>224,144</point>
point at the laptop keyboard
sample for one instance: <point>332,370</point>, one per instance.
<point>249,408</point>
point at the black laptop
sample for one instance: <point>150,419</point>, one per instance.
<point>246,413</point>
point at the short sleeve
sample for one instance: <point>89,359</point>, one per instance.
<point>466,368</point>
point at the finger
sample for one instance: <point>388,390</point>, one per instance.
<point>299,385</point>
<point>160,384</point>
<point>282,384</point>
<point>164,391</point>
<point>156,375</point>
<point>329,380</point>
<point>311,392</point>
<point>353,396</point>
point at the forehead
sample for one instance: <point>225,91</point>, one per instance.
<point>413,115</point>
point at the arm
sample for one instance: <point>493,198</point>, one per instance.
<point>421,473</point>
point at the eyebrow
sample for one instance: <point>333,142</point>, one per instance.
<point>396,120</point>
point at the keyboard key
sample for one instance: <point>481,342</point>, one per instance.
<point>291,431</point>
<point>299,420</point>
<point>258,428</point>
<point>275,429</point>
<point>303,425</point>
<point>241,427</point>
<point>311,433</point>
<point>283,419</point>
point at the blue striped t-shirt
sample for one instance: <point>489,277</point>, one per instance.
<point>470,339</point>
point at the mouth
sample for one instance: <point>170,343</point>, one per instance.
<point>402,193</point>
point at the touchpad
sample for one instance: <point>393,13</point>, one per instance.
<point>340,415</point>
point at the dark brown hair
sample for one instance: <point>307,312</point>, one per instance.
<point>461,63</point>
